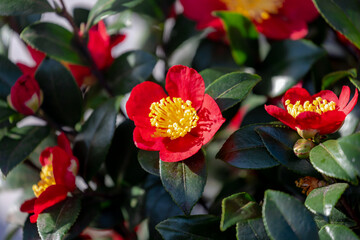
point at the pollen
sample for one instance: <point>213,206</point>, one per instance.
<point>47,179</point>
<point>257,10</point>
<point>172,117</point>
<point>318,105</point>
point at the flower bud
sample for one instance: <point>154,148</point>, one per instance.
<point>302,148</point>
<point>26,95</point>
<point>307,134</point>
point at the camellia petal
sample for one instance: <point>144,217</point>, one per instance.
<point>295,9</point>
<point>296,94</point>
<point>153,144</point>
<point>351,104</point>
<point>344,97</point>
<point>28,205</point>
<point>281,114</point>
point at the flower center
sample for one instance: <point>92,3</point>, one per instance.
<point>257,10</point>
<point>172,118</point>
<point>47,179</point>
<point>318,105</point>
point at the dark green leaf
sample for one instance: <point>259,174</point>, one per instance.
<point>149,161</point>
<point>343,16</point>
<point>356,83</point>
<point>15,150</point>
<point>198,227</point>
<point>243,37</point>
<point>350,145</point>
<point>130,69</point>
<point>62,97</point>
<point>5,112</point>
<point>333,77</point>
<point>55,222</point>
<point>30,231</point>
<point>231,88</point>
<point>93,142</point>
<point>245,149</point>
<point>80,15</point>
<point>211,74</point>
<point>185,180</point>
<point>287,62</point>
<point>54,40</point>
<point>23,7</point>
<point>9,73</point>
<point>286,218</point>
<point>336,217</point>
<point>323,200</point>
<point>238,208</point>
<point>335,232</point>
<point>252,229</point>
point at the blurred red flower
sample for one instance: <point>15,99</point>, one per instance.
<point>276,19</point>
<point>322,113</point>
<point>177,124</point>
<point>58,172</point>
<point>37,56</point>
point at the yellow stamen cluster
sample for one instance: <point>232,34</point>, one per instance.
<point>318,105</point>
<point>47,179</point>
<point>172,118</point>
<point>257,10</point>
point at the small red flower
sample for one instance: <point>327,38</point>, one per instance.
<point>25,95</point>
<point>179,123</point>
<point>59,169</point>
<point>276,19</point>
<point>322,113</point>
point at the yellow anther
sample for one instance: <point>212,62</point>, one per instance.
<point>287,102</point>
<point>318,105</point>
<point>47,180</point>
<point>172,118</point>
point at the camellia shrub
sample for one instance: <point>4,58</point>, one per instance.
<point>227,119</point>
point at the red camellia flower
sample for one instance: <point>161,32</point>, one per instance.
<point>276,19</point>
<point>322,113</point>
<point>25,95</point>
<point>178,123</point>
<point>59,168</point>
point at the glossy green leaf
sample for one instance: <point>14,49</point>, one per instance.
<point>356,83</point>
<point>93,142</point>
<point>336,217</point>
<point>9,73</point>
<point>63,100</point>
<point>285,217</point>
<point>185,180</point>
<point>149,161</point>
<point>238,208</point>
<point>56,221</point>
<point>333,77</point>
<point>54,40</point>
<point>231,88</point>
<point>350,145</point>
<point>15,148</point>
<point>5,112</point>
<point>211,74</point>
<point>23,7</point>
<point>287,62</point>
<point>199,227</point>
<point>343,16</point>
<point>334,232</point>
<point>252,229</point>
<point>245,149</point>
<point>130,69</point>
<point>323,200</point>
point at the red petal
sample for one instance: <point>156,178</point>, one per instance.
<point>296,94</point>
<point>61,162</point>
<point>149,144</point>
<point>116,39</point>
<point>282,115</point>
<point>28,205</point>
<point>201,10</point>
<point>328,95</point>
<point>299,10</point>
<point>45,156</point>
<point>326,123</point>
<point>308,120</point>
<point>351,104</point>
<point>64,143</point>
<point>80,73</point>
<point>217,25</point>
<point>344,97</point>
<point>26,70</point>
<point>186,83</point>
<point>36,55</point>
<point>99,46</point>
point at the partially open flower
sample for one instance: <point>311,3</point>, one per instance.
<point>177,124</point>
<point>322,113</point>
<point>25,96</point>
<point>58,172</point>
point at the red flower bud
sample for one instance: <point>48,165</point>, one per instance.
<point>26,95</point>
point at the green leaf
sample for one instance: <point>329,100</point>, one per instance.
<point>245,149</point>
<point>93,142</point>
<point>356,83</point>
<point>343,16</point>
<point>23,7</point>
<point>253,229</point>
<point>54,40</point>
<point>243,37</point>
<point>335,231</point>
<point>231,88</point>
<point>350,145</point>
<point>9,73</point>
<point>333,77</point>
<point>287,62</point>
<point>130,69</point>
<point>211,74</point>
<point>105,8</point>
<point>149,161</point>
<point>199,227</point>
<point>5,112</point>
<point>185,180</point>
<point>336,217</point>
<point>30,231</point>
<point>55,222</point>
<point>323,200</point>
<point>63,100</point>
<point>15,150</point>
<point>238,208</point>
<point>286,218</point>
